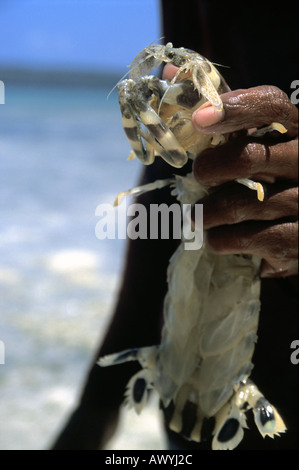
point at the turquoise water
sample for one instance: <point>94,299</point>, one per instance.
<point>62,152</point>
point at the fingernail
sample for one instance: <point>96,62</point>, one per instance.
<point>271,272</point>
<point>207,116</point>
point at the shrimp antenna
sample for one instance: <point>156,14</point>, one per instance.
<point>221,65</point>
<point>157,40</point>
<point>164,94</point>
<point>116,85</point>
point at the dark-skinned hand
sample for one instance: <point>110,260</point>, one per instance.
<point>235,221</point>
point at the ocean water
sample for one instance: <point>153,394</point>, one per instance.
<point>62,153</point>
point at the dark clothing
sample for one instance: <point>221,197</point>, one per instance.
<point>257,42</point>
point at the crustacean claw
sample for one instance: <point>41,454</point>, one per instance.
<point>145,130</point>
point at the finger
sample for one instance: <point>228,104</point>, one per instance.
<point>246,109</point>
<point>234,204</point>
<point>169,72</point>
<point>275,243</point>
<point>277,268</point>
<point>244,158</point>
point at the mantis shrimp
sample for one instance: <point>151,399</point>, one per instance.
<point>211,310</point>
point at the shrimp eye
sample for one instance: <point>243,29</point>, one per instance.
<point>169,55</point>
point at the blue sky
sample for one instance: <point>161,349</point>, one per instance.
<point>89,34</point>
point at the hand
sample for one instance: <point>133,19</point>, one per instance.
<point>236,222</point>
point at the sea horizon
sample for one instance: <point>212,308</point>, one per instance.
<point>68,76</point>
